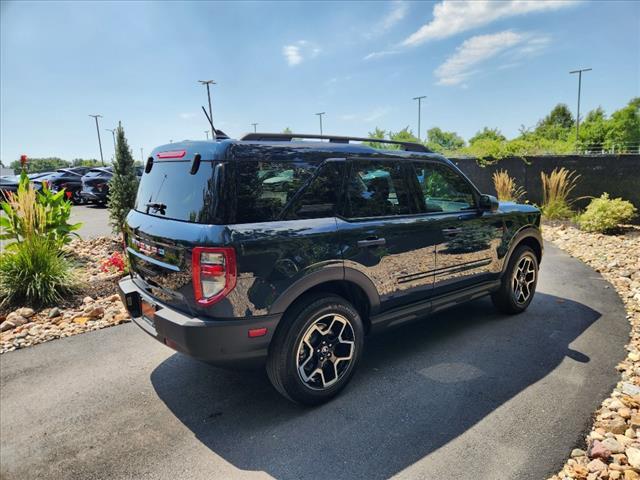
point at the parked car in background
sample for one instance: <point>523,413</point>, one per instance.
<point>9,183</point>
<point>95,185</point>
<point>69,179</point>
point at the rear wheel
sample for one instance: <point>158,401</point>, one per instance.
<point>518,282</point>
<point>316,350</point>
<point>76,198</point>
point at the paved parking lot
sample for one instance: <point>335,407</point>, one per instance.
<point>95,220</point>
<point>466,394</point>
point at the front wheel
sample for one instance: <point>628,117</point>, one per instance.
<point>518,282</point>
<point>316,349</point>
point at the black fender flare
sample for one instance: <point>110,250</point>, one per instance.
<point>528,231</point>
<point>325,275</point>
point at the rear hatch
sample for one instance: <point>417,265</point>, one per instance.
<point>96,181</point>
<point>175,211</point>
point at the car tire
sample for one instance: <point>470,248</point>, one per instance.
<point>519,282</point>
<point>76,198</point>
<point>316,349</point>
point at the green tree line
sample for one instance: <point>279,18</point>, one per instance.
<point>553,134</point>
<point>49,164</point>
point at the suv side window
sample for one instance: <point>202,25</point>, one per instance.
<point>377,188</point>
<point>264,189</point>
<point>444,190</point>
<point>320,198</point>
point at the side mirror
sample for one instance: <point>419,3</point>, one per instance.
<point>489,202</point>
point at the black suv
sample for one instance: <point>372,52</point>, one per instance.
<point>279,250</point>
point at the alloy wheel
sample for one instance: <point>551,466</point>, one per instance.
<point>523,279</point>
<point>325,352</point>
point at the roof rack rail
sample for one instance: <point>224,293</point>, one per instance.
<point>287,137</point>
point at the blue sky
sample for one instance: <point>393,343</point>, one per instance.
<point>479,63</point>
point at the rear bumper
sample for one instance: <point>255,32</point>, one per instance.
<point>219,342</point>
<point>92,196</point>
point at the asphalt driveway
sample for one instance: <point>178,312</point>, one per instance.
<point>466,394</point>
<point>94,218</point>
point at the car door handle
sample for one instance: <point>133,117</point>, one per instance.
<point>371,242</point>
<point>451,231</point>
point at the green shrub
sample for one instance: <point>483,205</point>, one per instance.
<point>35,272</point>
<point>604,214</point>
<point>30,213</point>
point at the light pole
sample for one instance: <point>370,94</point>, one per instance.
<point>579,72</point>
<point>142,155</point>
<point>113,134</point>
<point>99,141</point>
<point>206,132</point>
<point>419,112</point>
<point>254,127</point>
<point>320,117</point>
<point>207,83</point>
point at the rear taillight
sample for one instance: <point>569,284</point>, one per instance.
<point>214,273</point>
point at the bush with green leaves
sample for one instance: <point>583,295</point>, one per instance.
<point>605,215</point>
<point>31,213</point>
<point>35,272</point>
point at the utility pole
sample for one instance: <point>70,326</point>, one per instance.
<point>579,72</point>
<point>142,155</point>
<point>320,116</point>
<point>99,141</point>
<point>419,113</point>
<point>206,132</point>
<point>113,134</point>
<point>254,127</point>
<point>207,83</point>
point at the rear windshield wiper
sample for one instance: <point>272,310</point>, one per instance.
<point>157,207</point>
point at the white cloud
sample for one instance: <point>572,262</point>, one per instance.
<point>465,61</point>
<point>382,53</point>
<point>297,52</point>
<point>186,116</point>
<point>452,17</point>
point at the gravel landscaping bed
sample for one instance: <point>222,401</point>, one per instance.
<point>96,305</point>
<point>613,445</point>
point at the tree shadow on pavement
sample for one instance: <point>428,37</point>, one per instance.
<point>417,388</point>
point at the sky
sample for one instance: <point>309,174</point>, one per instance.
<point>496,64</point>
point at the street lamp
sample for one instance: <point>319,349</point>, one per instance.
<point>419,99</point>
<point>99,141</point>
<point>206,132</point>
<point>320,114</point>
<point>254,127</point>
<point>579,72</point>
<point>113,134</point>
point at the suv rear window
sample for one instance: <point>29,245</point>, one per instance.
<point>170,191</point>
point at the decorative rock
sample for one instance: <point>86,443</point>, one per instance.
<point>633,456</point>
<point>614,475</point>
<point>631,475</point>
<point>576,452</point>
<point>625,412</point>
<point>54,312</point>
<point>599,450</point>
<point>87,300</point>
<point>596,465</point>
<point>635,420</point>
<point>616,404</point>
<point>615,425</point>
<point>24,312</point>
<point>630,389</point>
<point>612,445</point>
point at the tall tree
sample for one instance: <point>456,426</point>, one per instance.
<point>624,133</point>
<point>488,134</point>
<point>558,125</point>
<point>440,140</point>
<point>287,130</point>
<point>379,134</point>
<point>594,129</point>
<point>123,185</point>
<point>35,165</point>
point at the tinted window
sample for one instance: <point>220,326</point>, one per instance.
<point>377,188</point>
<point>443,189</point>
<point>320,197</point>
<point>265,189</point>
<point>170,191</point>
